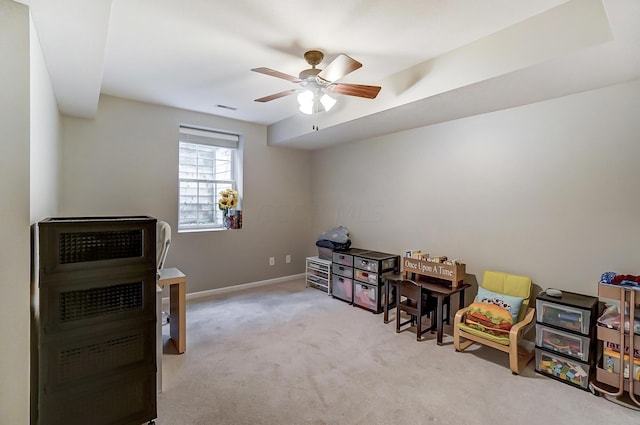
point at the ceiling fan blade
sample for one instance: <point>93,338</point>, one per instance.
<point>276,95</point>
<point>277,74</point>
<point>360,90</point>
<point>338,68</point>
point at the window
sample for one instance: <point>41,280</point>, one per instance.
<point>209,162</point>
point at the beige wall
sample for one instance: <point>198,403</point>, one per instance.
<point>125,162</point>
<point>45,138</point>
<point>549,190</point>
<point>14,210</point>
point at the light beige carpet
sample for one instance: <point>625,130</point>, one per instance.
<point>285,354</point>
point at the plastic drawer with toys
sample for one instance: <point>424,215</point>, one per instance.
<point>563,316</point>
<point>562,368</point>
<point>568,344</point>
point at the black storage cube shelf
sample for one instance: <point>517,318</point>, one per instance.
<point>96,321</point>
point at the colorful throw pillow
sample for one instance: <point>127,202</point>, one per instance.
<point>490,318</point>
<point>510,303</point>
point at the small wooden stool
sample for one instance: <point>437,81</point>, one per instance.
<point>177,282</point>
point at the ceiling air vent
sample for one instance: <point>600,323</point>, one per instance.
<point>231,108</point>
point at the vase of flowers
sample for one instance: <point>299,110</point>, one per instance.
<point>228,201</point>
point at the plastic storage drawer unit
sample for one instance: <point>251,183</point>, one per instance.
<point>366,277</point>
<point>367,296</point>
<point>344,259</point>
<point>366,264</point>
<point>343,271</point>
<point>563,316</point>
<point>376,262</point>
<point>563,368</point>
<point>566,343</point>
<point>342,288</point>
<point>318,273</point>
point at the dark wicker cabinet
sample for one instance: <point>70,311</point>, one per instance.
<point>95,321</point>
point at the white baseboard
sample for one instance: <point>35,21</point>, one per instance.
<point>235,288</point>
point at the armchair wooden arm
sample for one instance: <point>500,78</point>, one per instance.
<point>518,330</point>
<point>460,315</point>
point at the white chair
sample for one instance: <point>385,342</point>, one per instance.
<point>177,282</point>
<point>163,240</point>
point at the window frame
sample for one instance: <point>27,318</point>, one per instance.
<point>205,137</point>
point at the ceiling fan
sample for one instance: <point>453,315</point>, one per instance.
<point>316,83</point>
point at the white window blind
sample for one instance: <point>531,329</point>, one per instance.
<point>209,162</point>
<point>209,137</point>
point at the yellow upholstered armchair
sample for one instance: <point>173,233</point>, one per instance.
<point>499,317</point>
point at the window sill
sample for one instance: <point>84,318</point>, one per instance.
<point>211,229</point>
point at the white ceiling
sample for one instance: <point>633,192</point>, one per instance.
<point>435,59</point>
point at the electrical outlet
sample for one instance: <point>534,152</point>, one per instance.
<point>287,259</point>
<point>272,261</point>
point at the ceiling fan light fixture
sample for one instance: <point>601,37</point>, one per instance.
<point>305,97</point>
<point>305,100</point>
<point>307,108</point>
<point>315,101</point>
<point>327,101</point>
<point>317,83</point>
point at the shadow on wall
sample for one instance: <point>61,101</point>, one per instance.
<point>470,293</point>
<point>535,290</point>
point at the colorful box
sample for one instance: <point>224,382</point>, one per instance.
<point>611,363</point>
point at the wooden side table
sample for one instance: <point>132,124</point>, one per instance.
<point>177,282</point>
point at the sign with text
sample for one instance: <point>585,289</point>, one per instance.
<point>454,273</point>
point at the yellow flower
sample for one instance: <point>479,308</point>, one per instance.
<point>228,200</point>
